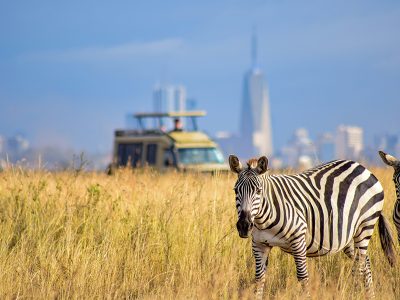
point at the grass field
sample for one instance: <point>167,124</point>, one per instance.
<point>148,235</point>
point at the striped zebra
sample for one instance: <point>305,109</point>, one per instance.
<point>324,210</point>
<point>395,163</point>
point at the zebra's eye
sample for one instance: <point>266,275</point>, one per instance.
<point>258,191</point>
<point>236,191</point>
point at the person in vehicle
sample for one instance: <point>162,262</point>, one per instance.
<point>178,126</point>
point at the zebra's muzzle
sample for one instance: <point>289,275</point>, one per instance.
<point>244,227</point>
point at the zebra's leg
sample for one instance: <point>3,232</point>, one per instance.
<point>368,278</point>
<point>356,269</point>
<point>299,248</point>
<point>361,241</point>
<point>362,266</point>
<point>260,252</point>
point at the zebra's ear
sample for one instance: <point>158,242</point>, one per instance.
<point>389,160</point>
<point>262,165</point>
<point>235,164</point>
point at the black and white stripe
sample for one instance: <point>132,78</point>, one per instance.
<point>331,208</point>
<point>395,163</point>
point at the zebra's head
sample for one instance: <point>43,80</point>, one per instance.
<point>249,191</point>
<point>395,163</point>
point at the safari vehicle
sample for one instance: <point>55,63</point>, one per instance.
<point>157,146</point>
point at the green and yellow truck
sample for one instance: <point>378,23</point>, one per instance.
<point>184,148</point>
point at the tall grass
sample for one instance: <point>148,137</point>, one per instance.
<point>148,235</point>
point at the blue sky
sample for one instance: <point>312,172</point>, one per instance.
<point>70,71</point>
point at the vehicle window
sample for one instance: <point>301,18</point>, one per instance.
<point>200,156</point>
<point>151,154</point>
<point>130,154</point>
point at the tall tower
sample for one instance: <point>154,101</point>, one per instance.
<point>349,142</point>
<point>255,127</point>
<point>168,98</point>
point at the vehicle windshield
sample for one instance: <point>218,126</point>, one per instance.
<point>200,156</point>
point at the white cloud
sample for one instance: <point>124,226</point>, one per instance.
<point>110,53</point>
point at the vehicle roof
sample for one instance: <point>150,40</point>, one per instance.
<point>182,139</point>
<point>191,139</point>
<point>172,114</point>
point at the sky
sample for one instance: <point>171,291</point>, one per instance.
<point>70,71</point>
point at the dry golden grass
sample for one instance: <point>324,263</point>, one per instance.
<point>148,235</point>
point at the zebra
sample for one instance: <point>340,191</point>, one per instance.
<point>324,210</point>
<point>395,163</point>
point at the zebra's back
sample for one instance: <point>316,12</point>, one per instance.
<point>336,200</point>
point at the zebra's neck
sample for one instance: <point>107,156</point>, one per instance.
<point>274,207</point>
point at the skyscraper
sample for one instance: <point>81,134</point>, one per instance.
<point>255,127</point>
<point>349,142</point>
<point>168,98</point>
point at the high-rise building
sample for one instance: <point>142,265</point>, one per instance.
<point>255,126</point>
<point>167,98</point>
<point>349,142</point>
<point>300,151</point>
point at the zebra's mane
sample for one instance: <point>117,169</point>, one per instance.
<point>252,163</point>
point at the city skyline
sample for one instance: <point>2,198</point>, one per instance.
<point>69,74</point>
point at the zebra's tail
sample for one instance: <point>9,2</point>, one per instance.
<point>386,240</point>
